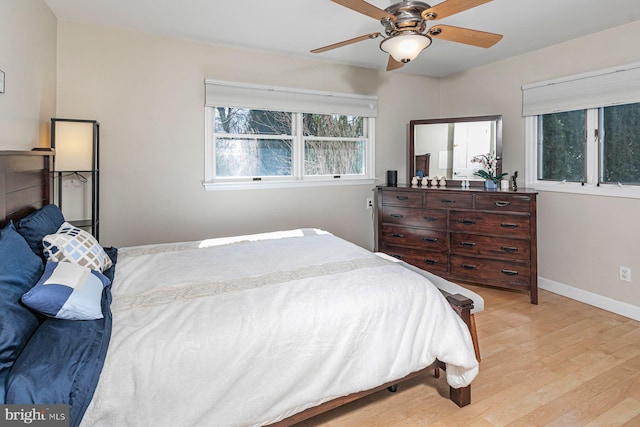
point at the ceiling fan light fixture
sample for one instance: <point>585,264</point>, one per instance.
<point>405,47</point>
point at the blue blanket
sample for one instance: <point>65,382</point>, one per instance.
<point>62,361</point>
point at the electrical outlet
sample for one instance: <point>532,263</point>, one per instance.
<point>625,273</point>
<point>369,203</point>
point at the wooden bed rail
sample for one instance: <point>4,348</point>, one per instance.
<point>460,396</point>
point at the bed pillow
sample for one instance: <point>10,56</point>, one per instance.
<point>67,291</point>
<point>36,225</point>
<point>20,269</point>
<point>72,244</point>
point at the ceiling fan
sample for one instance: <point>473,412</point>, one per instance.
<point>405,28</point>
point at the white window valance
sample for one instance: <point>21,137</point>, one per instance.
<point>230,94</point>
<point>602,88</point>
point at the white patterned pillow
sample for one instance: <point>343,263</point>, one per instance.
<point>72,244</point>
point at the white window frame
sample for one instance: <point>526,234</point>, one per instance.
<point>291,100</point>
<point>591,186</point>
<point>587,91</point>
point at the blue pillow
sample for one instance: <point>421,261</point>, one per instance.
<point>38,224</point>
<point>20,269</point>
<point>68,291</point>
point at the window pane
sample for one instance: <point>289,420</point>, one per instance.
<point>561,154</point>
<point>334,157</point>
<point>252,122</point>
<point>620,141</point>
<point>253,157</point>
<point>333,125</point>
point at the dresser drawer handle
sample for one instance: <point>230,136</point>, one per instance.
<point>447,201</point>
<point>467,244</point>
<point>509,249</point>
<point>430,261</point>
<point>397,235</point>
<point>510,272</point>
<point>430,218</point>
<point>502,204</point>
<point>430,239</point>
<point>467,221</point>
<point>397,256</point>
<point>469,266</point>
<point>507,225</point>
<point>402,197</point>
<point>396,216</point>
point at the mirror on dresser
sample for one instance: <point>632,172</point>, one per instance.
<point>446,146</point>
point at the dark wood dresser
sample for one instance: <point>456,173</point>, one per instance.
<point>465,235</point>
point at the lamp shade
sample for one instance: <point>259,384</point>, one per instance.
<point>74,145</point>
<point>405,47</point>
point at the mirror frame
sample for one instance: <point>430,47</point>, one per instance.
<point>498,148</point>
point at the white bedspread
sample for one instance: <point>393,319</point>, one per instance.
<point>250,330</point>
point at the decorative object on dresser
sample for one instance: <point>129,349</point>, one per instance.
<point>467,235</point>
<point>488,171</point>
<point>392,178</point>
<point>76,166</point>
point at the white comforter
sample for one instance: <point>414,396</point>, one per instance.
<point>250,330</point>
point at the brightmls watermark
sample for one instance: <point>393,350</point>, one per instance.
<point>34,415</point>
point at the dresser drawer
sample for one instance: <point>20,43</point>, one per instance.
<point>433,240</point>
<point>448,200</point>
<point>427,218</point>
<point>494,247</point>
<point>503,202</point>
<point>490,272</point>
<point>490,223</point>
<point>436,262</point>
<point>402,198</point>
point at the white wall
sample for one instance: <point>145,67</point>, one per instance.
<point>147,92</point>
<point>582,240</point>
<point>28,58</point>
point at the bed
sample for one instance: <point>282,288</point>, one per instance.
<point>266,329</point>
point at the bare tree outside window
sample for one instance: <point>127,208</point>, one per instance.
<point>338,149</point>
<point>260,143</point>
<point>561,147</point>
<point>620,144</point>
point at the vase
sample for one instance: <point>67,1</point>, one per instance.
<point>490,184</point>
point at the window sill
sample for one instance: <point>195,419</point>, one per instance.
<point>262,185</point>
<point>605,190</point>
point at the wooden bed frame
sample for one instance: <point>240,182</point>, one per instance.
<point>25,186</point>
<point>24,183</point>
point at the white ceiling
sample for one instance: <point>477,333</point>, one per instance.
<point>294,27</point>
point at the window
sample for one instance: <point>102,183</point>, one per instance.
<point>253,143</point>
<point>583,133</point>
<point>286,143</point>
<point>334,145</point>
<point>564,140</point>
<point>620,144</point>
<point>561,146</point>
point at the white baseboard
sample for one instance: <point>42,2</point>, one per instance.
<point>605,303</point>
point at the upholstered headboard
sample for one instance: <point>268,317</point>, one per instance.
<point>24,183</point>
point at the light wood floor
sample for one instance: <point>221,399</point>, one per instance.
<point>560,363</point>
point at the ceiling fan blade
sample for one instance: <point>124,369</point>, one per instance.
<point>393,64</point>
<point>450,7</point>
<point>345,43</point>
<point>365,8</point>
<point>464,35</point>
